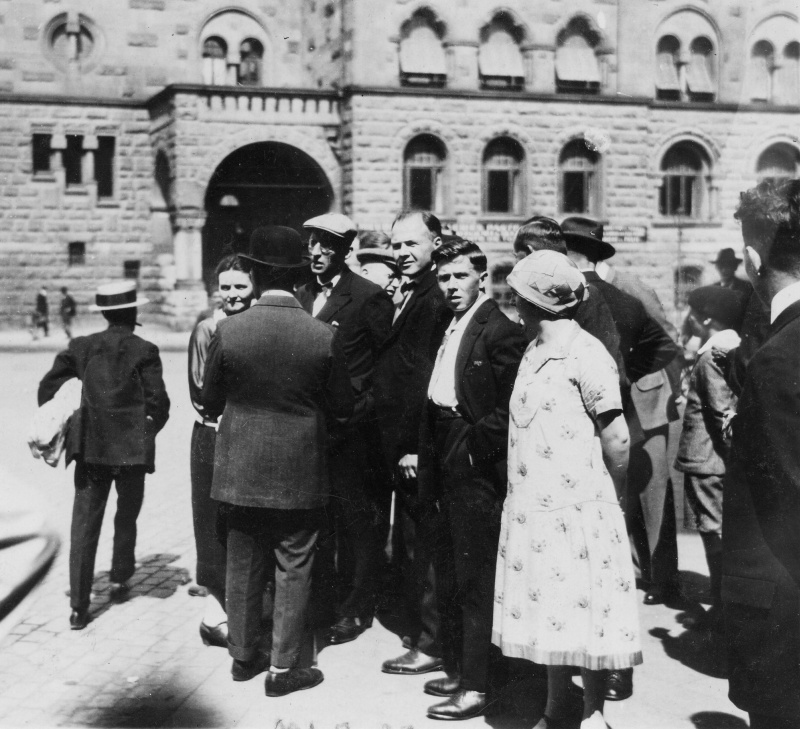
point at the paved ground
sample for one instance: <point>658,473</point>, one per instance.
<point>141,663</point>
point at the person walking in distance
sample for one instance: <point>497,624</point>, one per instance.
<point>111,437</point>
<point>67,309</point>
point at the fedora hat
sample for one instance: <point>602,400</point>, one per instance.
<point>276,245</point>
<point>117,295</point>
<point>377,255</point>
<point>586,236</point>
<point>727,255</point>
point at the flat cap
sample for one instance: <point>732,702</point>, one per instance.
<point>717,302</point>
<point>548,280</point>
<point>376,255</point>
<point>334,223</point>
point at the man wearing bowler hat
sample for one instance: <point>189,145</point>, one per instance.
<point>111,437</point>
<point>726,264</point>
<point>278,378</point>
<point>362,314</point>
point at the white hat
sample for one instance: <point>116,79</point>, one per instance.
<point>117,295</point>
<point>334,223</point>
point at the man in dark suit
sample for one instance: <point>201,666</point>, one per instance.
<point>462,465</point>
<point>111,437</point>
<point>362,314</point>
<point>726,264</point>
<point>277,377</point>
<point>761,508</point>
<point>649,408</point>
<point>402,373</point>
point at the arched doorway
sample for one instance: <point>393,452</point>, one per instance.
<point>268,183</point>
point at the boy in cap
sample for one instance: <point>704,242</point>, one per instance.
<point>111,437</point>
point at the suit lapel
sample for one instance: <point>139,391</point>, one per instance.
<point>339,298</point>
<point>465,347</point>
<point>788,315</point>
<point>424,285</point>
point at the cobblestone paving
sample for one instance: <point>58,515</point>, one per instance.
<point>140,663</point>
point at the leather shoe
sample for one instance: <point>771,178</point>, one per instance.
<point>661,593</point>
<point>461,705</point>
<point>245,670</point>
<point>79,619</point>
<point>619,685</point>
<point>214,635</point>
<point>119,591</point>
<point>446,686</point>
<point>412,663</point>
<point>347,629</point>
<point>295,679</point>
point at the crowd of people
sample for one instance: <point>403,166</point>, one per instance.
<point>374,434</point>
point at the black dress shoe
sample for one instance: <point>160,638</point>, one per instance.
<point>119,591</point>
<point>245,670</point>
<point>412,663</point>
<point>619,685</point>
<point>214,635</point>
<point>347,629</point>
<point>461,705</point>
<point>446,686</point>
<point>661,593</point>
<point>296,679</point>
<point>79,619</point>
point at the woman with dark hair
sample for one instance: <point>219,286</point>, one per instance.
<point>564,586</point>
<point>235,286</point>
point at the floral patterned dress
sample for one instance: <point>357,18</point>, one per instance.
<point>564,588</point>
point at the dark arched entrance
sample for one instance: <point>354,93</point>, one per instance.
<point>268,183</point>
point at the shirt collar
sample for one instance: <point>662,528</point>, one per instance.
<point>331,284</point>
<point>783,300</point>
<point>725,340</point>
<point>464,320</point>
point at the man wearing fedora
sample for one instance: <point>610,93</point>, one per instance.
<point>726,264</point>
<point>649,408</point>
<point>278,378</point>
<point>111,437</point>
<point>362,314</point>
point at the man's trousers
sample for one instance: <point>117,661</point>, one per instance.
<point>92,486</point>
<point>263,543</point>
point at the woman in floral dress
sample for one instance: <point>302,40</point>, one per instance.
<point>564,591</point>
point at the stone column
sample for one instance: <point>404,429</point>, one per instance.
<point>540,61</point>
<point>189,296</point>
<point>462,64</point>
<point>87,159</point>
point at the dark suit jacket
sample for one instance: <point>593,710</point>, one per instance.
<point>739,285</point>
<point>594,316</point>
<point>486,368</point>
<point>276,376</point>
<point>404,367</point>
<point>761,537</point>
<point>124,402</point>
<point>362,313</point>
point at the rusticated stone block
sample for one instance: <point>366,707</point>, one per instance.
<point>143,40</point>
<point>147,4</point>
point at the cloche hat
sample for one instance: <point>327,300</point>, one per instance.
<point>549,280</point>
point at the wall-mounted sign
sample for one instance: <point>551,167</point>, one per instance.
<point>625,234</point>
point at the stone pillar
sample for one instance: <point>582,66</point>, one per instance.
<point>462,64</point>
<point>541,60</point>
<point>189,297</point>
<point>87,160</point>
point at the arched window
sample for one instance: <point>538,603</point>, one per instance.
<point>422,58</point>
<point>685,182</point>
<point>423,179</point>
<point>779,162</point>
<point>502,177</point>
<point>787,76</point>
<point>577,67</point>
<point>251,54</point>
<point>668,77</point>
<point>700,83</point>
<point>762,65</point>
<point>579,179</point>
<point>499,57</point>
<point>215,70</point>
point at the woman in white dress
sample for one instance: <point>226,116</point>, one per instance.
<point>565,591</point>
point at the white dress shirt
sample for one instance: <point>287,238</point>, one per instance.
<point>442,387</point>
<point>783,300</point>
<point>323,295</point>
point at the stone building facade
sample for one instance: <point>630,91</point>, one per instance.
<point>142,138</point>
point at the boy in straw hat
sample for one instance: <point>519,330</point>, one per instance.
<point>111,437</point>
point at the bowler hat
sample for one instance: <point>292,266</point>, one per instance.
<point>117,295</point>
<point>549,280</point>
<point>720,303</point>
<point>727,256</point>
<point>276,245</point>
<point>586,236</point>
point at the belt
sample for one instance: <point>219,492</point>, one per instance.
<point>443,413</point>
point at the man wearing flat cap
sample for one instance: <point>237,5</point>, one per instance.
<point>649,408</point>
<point>278,378</point>
<point>361,313</point>
<point>111,437</point>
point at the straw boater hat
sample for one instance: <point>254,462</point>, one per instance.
<point>336,224</point>
<point>117,295</point>
<point>549,280</point>
<point>585,235</point>
<point>276,245</point>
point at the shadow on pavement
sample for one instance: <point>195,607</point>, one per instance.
<point>702,651</point>
<point>695,587</point>
<point>717,720</point>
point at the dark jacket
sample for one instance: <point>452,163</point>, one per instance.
<point>739,285</point>
<point>124,401</point>
<point>594,316</point>
<point>761,538</point>
<point>276,376</point>
<point>486,367</point>
<point>361,312</point>
<point>404,367</point>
